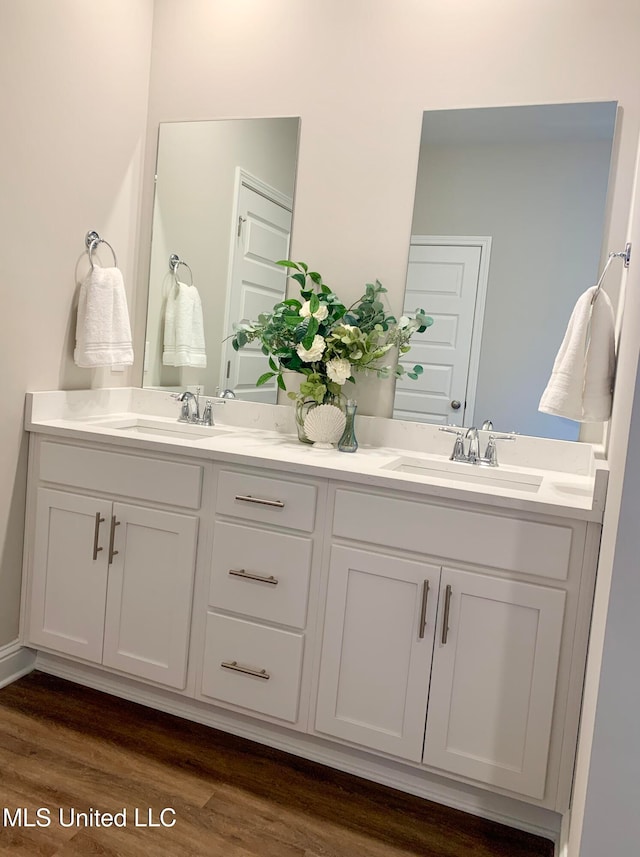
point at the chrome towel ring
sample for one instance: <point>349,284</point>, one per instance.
<point>174,263</point>
<point>91,240</point>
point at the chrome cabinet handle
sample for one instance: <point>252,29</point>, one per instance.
<point>96,534</point>
<point>112,535</point>
<point>248,575</point>
<point>445,617</point>
<point>236,667</point>
<point>423,609</point>
<point>249,499</point>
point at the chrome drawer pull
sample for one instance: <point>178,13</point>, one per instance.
<point>236,667</point>
<point>445,618</point>
<point>423,609</point>
<point>96,534</point>
<point>248,575</point>
<point>249,499</point>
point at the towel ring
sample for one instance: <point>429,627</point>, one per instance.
<point>91,240</point>
<point>625,254</point>
<point>175,262</point>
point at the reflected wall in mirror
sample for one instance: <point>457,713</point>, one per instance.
<point>223,204</point>
<point>507,232</point>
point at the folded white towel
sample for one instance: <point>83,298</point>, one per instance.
<point>581,382</point>
<point>103,331</point>
<point>184,328</point>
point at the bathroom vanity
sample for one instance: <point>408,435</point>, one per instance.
<point>388,613</point>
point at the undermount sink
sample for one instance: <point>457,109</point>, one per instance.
<point>461,472</point>
<point>166,428</point>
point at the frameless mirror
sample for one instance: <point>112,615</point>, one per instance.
<point>222,209</point>
<point>507,232</point>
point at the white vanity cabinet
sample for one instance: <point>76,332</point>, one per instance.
<point>450,658</point>
<point>257,622</point>
<point>493,680</point>
<point>111,582</point>
<point>378,644</point>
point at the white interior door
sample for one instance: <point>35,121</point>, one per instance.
<point>261,238</point>
<point>446,280</point>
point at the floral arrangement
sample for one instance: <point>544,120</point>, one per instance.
<point>321,338</point>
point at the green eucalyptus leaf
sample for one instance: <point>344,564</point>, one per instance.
<point>280,382</point>
<point>418,369</point>
<point>315,276</point>
<point>287,263</point>
<point>272,364</point>
<point>314,303</point>
<point>304,266</point>
<point>300,278</point>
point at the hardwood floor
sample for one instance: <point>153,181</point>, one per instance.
<point>65,746</point>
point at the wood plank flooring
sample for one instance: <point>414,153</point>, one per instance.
<point>66,746</point>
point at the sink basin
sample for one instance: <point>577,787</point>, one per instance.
<point>163,428</point>
<point>471,473</point>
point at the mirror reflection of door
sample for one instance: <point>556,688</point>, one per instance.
<point>535,178</point>
<point>196,199</point>
<point>261,233</point>
<point>449,276</point>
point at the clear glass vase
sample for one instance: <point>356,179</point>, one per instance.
<point>303,406</point>
<point>348,441</point>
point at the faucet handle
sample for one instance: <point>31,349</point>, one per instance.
<point>491,452</point>
<point>452,429</point>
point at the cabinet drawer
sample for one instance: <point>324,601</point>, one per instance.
<point>270,501</point>
<point>134,476</point>
<point>261,573</point>
<point>512,544</point>
<point>263,666</point>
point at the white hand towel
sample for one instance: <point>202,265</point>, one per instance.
<point>184,328</point>
<point>581,382</point>
<point>103,331</point>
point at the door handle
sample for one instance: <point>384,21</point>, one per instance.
<point>445,614</point>
<point>456,405</point>
<point>114,523</point>
<point>96,534</point>
<point>423,609</point>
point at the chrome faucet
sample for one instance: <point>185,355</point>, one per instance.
<point>190,411</point>
<point>472,453</point>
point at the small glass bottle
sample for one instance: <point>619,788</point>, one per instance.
<point>348,442</point>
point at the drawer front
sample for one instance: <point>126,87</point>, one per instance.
<point>133,476</point>
<point>511,544</point>
<point>270,501</point>
<point>252,666</point>
<point>261,573</point>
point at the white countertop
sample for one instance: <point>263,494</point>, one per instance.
<point>263,436</point>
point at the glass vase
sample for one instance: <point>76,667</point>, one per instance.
<point>303,406</point>
<point>348,441</point>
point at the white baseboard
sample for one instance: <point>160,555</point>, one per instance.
<point>494,807</point>
<point>15,661</point>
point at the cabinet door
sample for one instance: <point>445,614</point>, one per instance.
<point>377,649</point>
<point>69,573</point>
<point>149,595</point>
<point>493,680</point>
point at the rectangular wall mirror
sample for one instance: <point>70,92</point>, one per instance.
<point>507,232</point>
<point>223,210</point>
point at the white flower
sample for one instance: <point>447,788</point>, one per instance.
<point>310,355</point>
<point>338,369</point>
<point>321,313</point>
